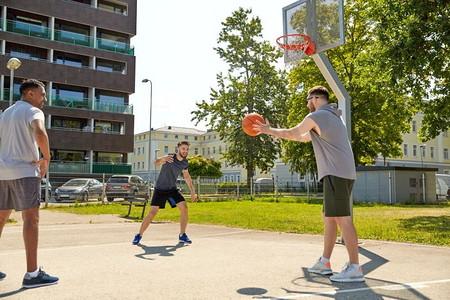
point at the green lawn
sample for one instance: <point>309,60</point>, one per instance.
<point>427,224</point>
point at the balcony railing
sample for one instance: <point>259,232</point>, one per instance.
<point>83,168</point>
<point>66,36</point>
<point>73,38</point>
<point>28,29</point>
<point>16,95</point>
<point>79,103</point>
<point>113,107</point>
<point>115,46</point>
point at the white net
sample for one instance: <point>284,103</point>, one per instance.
<point>295,48</point>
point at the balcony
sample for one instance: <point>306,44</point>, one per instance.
<point>73,38</point>
<point>115,46</point>
<point>83,168</point>
<point>66,102</point>
<point>28,29</point>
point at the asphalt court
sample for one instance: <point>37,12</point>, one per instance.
<point>94,259</point>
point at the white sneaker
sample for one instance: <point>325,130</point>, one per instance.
<point>349,274</point>
<point>321,268</point>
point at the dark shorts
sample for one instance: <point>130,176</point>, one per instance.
<point>336,196</point>
<point>20,194</point>
<point>161,197</point>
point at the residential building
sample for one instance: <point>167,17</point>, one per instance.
<point>81,50</point>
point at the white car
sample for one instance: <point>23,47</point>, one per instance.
<point>79,189</point>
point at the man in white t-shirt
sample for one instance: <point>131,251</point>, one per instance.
<point>22,134</point>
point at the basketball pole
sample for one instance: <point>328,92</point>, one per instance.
<point>343,97</point>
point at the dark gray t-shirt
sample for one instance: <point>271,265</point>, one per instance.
<point>167,179</point>
<point>334,155</point>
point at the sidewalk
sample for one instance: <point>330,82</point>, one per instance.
<point>94,259</point>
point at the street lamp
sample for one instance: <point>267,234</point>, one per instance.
<point>149,136</point>
<point>422,150</point>
<point>12,64</point>
<point>156,156</point>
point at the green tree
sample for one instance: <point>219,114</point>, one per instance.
<point>252,84</point>
<point>200,166</point>
<point>379,114</point>
<point>414,44</point>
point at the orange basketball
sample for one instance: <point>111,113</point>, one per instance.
<point>249,120</point>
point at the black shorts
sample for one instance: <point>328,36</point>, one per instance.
<point>336,196</point>
<point>160,197</point>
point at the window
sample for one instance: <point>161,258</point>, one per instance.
<point>113,6</point>
<point>143,150</point>
<point>176,136</point>
<point>139,151</point>
<point>69,59</point>
<point>214,150</point>
<point>166,136</point>
<point>195,138</point>
<point>431,151</point>
<point>166,150</point>
<point>110,66</point>
<point>139,165</point>
<point>220,149</point>
<point>143,165</point>
<point>445,133</point>
<point>134,166</point>
<point>231,178</point>
<point>225,178</point>
<point>445,153</point>
<point>110,97</point>
<point>405,150</point>
<point>414,151</point>
<point>209,152</point>
<point>196,151</point>
<point>414,126</point>
<point>203,151</point>
<point>423,150</point>
<point>186,138</point>
<point>238,178</point>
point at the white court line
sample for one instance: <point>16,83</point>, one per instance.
<point>391,287</point>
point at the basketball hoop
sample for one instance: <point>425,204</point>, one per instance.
<point>296,47</point>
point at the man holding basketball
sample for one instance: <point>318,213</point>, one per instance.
<point>166,190</point>
<point>336,168</point>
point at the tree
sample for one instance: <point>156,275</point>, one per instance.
<point>200,166</point>
<point>252,84</point>
<point>414,45</point>
<point>379,114</point>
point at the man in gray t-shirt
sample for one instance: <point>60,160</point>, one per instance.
<point>326,130</point>
<point>166,190</point>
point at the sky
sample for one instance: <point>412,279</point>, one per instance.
<point>174,49</point>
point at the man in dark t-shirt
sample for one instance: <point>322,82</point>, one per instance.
<point>166,190</point>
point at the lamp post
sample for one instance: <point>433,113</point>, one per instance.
<point>156,156</point>
<point>149,136</point>
<point>12,64</point>
<point>422,150</point>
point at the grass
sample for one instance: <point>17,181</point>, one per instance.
<point>427,224</point>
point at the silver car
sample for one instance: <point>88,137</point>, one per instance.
<point>120,186</point>
<point>79,189</point>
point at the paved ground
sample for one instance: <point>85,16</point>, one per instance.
<point>94,259</point>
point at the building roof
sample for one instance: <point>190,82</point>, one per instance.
<point>178,130</point>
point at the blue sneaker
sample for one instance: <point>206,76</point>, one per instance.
<point>183,238</point>
<point>42,279</point>
<point>137,239</point>
<point>2,276</point>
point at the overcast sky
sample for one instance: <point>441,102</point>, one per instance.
<point>174,49</point>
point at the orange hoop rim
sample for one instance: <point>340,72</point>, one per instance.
<point>307,46</point>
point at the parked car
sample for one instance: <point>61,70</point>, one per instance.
<point>43,187</point>
<point>446,179</point>
<point>79,189</point>
<point>442,190</point>
<point>264,185</point>
<point>120,186</point>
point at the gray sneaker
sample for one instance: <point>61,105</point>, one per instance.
<point>349,274</point>
<point>42,279</point>
<point>321,268</point>
<point>2,276</point>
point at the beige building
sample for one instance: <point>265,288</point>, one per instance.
<point>431,154</point>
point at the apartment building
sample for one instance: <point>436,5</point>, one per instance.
<point>81,50</point>
<point>431,154</point>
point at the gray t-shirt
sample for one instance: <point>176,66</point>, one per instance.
<point>167,179</point>
<point>334,155</point>
<point>18,146</point>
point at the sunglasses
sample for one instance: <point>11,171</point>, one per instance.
<point>310,97</point>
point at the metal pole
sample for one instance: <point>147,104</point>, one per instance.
<point>149,137</point>
<point>156,156</point>
<point>423,188</point>
<point>12,64</point>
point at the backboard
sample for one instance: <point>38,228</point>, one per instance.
<point>321,20</point>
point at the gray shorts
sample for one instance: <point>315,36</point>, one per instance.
<point>20,194</point>
<point>336,196</point>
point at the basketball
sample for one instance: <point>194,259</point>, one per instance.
<point>248,121</point>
